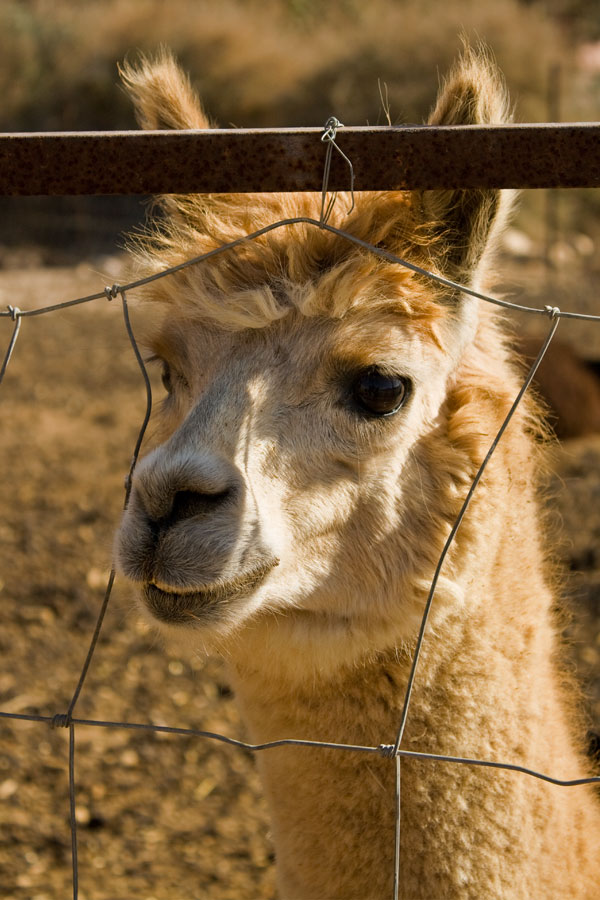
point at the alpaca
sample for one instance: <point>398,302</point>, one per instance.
<point>325,414</point>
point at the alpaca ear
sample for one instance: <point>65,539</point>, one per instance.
<point>163,97</point>
<point>466,222</point>
<point>162,94</point>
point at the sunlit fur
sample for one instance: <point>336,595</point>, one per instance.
<point>280,525</point>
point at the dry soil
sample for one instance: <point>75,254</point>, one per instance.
<point>159,817</point>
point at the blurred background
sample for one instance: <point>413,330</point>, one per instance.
<point>172,817</point>
<point>269,63</point>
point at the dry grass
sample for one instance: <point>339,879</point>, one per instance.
<point>270,63</point>
<point>292,62</point>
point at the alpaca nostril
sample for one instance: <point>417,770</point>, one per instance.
<point>187,504</point>
<point>183,486</point>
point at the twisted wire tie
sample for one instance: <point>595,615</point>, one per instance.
<point>387,751</point>
<point>328,137</point>
<point>553,311</point>
<point>112,291</point>
<point>14,312</point>
<point>331,126</point>
<point>61,720</point>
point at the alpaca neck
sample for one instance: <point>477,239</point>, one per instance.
<point>485,689</point>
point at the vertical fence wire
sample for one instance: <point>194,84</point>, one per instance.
<point>72,812</point>
<point>14,313</point>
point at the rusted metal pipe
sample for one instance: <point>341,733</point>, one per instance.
<point>222,161</point>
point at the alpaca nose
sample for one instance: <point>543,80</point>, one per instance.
<point>172,488</point>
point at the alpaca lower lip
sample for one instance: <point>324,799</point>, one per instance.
<point>187,608</point>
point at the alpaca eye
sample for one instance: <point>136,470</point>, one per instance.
<point>380,394</point>
<point>166,377</point>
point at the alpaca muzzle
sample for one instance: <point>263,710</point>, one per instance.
<point>191,539</point>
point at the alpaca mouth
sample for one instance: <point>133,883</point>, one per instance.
<point>203,605</point>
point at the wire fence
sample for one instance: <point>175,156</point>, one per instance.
<point>393,752</point>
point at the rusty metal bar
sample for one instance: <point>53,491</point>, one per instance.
<point>221,161</point>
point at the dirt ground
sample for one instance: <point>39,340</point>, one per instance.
<point>159,817</point>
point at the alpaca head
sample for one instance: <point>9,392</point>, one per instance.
<point>317,434</point>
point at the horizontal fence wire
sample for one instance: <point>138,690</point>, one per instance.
<point>393,752</point>
<point>387,751</point>
<point>421,157</point>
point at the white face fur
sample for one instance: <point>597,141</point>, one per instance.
<point>279,496</point>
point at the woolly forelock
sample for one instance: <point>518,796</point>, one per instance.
<point>295,266</point>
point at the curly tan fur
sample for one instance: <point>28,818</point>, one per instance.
<point>283,526</point>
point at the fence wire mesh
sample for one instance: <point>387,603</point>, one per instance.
<point>392,752</point>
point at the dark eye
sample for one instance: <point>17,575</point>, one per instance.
<point>378,393</point>
<point>166,377</point>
